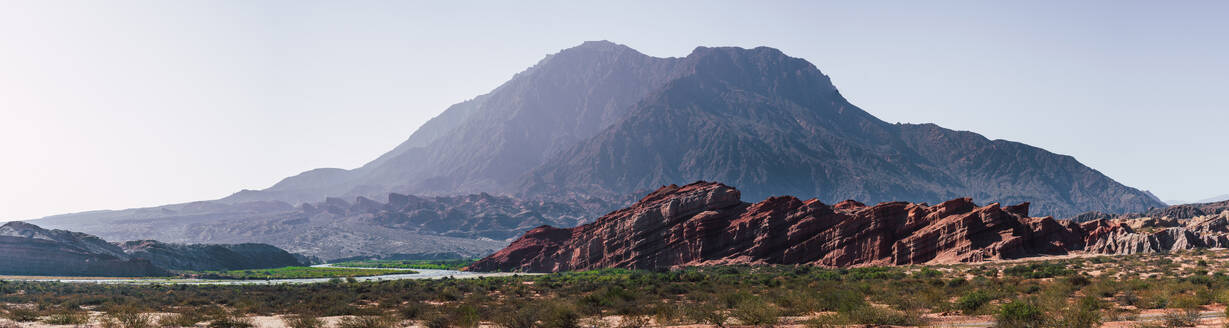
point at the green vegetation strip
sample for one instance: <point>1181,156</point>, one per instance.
<point>408,264</point>
<point>295,273</point>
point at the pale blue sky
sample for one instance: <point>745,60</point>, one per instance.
<point>113,104</point>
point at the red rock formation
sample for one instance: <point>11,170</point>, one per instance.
<point>706,223</point>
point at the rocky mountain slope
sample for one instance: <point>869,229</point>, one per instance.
<point>469,225</point>
<point>27,249</point>
<point>707,223</point>
<point>604,120</point>
<point>1174,212</point>
<point>594,125</point>
<point>210,257</point>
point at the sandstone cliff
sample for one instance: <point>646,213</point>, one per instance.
<point>706,223</point>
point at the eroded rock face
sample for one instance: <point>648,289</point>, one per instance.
<point>706,223</point>
<point>209,257</point>
<point>1132,236</point>
<point>26,249</point>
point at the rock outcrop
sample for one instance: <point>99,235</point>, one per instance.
<point>26,249</point>
<point>210,257</point>
<point>706,223</point>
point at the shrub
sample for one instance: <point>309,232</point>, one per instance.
<point>971,302</point>
<point>412,311</point>
<point>1184,318</point>
<point>883,316</point>
<point>707,314</point>
<point>21,313</point>
<point>75,318</point>
<point>367,321</point>
<point>560,316</point>
<point>756,312</point>
<point>230,320</point>
<point>1019,314</point>
<point>435,321</point>
<point>635,321</point>
<point>302,321</point>
<point>517,317</point>
<point>180,319</point>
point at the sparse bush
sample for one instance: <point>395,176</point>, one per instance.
<point>882,316</point>
<point>188,319</point>
<point>21,313</point>
<point>368,321</point>
<point>230,320</point>
<point>1019,314</point>
<point>707,314</point>
<point>635,321</point>
<point>973,301</point>
<point>756,312</point>
<point>302,321</point>
<point>1184,318</point>
<point>434,321</point>
<point>560,316</point>
<point>517,317</point>
<point>75,318</point>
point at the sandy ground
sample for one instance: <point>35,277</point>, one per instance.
<point>1209,317</point>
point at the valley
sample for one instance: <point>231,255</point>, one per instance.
<point>1173,289</point>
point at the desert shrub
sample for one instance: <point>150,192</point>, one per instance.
<point>434,321</point>
<point>1184,318</point>
<point>75,318</point>
<point>230,320</point>
<point>21,313</point>
<point>1037,270</point>
<point>1085,313</point>
<point>188,319</point>
<point>841,300</point>
<point>707,314</point>
<point>367,321</point>
<point>412,310</point>
<point>1019,314</point>
<point>756,312</point>
<point>635,321</point>
<point>560,315</point>
<point>517,317</point>
<point>882,316</point>
<point>466,316</point>
<point>667,314</point>
<point>302,321</point>
<point>971,302</point>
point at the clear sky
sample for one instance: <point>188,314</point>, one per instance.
<point>107,105</point>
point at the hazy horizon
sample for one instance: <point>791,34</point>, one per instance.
<point>111,106</point>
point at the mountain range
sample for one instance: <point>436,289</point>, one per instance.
<point>594,125</point>
<point>27,249</point>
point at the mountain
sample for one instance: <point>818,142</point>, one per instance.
<point>26,249</point>
<point>604,120</point>
<point>594,125</point>
<point>1220,198</point>
<point>485,144</point>
<point>210,257</point>
<point>706,223</point>
<point>404,225</point>
<point>1175,212</point>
